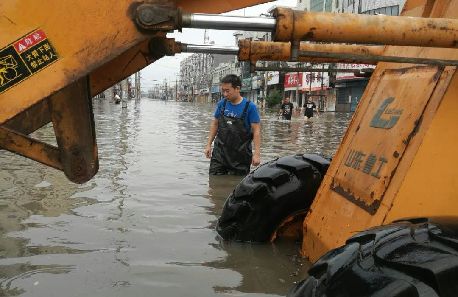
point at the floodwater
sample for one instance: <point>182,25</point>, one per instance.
<point>144,225</point>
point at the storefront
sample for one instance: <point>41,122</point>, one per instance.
<point>203,95</point>
<point>293,85</point>
<point>349,93</point>
<point>215,93</point>
<point>316,87</point>
<point>350,88</point>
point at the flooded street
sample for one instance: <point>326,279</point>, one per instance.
<point>144,225</point>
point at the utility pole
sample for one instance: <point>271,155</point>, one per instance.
<point>137,85</point>
<point>310,81</point>
<point>322,97</point>
<point>266,80</point>
<point>125,92</point>
<point>297,85</point>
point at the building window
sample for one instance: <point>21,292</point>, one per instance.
<point>316,5</point>
<point>389,10</point>
<point>328,5</point>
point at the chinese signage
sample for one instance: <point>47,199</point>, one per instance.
<point>273,78</point>
<point>315,81</point>
<point>24,58</point>
<point>293,80</point>
<point>354,67</point>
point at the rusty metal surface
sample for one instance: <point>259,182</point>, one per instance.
<point>333,53</point>
<point>159,47</point>
<point>31,119</point>
<point>30,148</point>
<point>158,16</point>
<point>368,59</point>
<point>244,50</point>
<point>311,69</point>
<point>73,123</point>
<point>370,50</point>
<point>285,22</point>
<point>264,50</point>
<point>281,51</point>
<point>367,29</point>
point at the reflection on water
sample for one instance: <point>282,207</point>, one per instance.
<point>145,224</point>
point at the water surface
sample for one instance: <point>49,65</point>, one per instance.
<point>144,225</point>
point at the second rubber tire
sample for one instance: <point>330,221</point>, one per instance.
<point>416,258</point>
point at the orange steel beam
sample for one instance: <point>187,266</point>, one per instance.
<point>269,51</point>
<point>367,59</point>
<point>30,148</point>
<point>310,69</point>
<point>73,122</point>
<point>31,119</point>
<point>281,51</point>
<point>328,53</point>
<point>368,29</point>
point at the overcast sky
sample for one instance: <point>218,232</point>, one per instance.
<point>169,67</point>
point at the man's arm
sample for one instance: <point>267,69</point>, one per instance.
<point>256,129</point>
<point>211,137</point>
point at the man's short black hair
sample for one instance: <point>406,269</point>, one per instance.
<point>232,79</point>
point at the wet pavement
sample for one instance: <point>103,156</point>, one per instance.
<point>144,225</point>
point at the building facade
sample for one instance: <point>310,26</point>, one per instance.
<point>386,7</point>
<point>218,73</point>
<point>196,76</point>
<point>348,88</point>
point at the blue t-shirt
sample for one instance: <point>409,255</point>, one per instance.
<point>252,115</point>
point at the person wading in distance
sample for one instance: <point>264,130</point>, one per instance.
<point>286,109</point>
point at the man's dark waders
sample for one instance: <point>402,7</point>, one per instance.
<point>232,148</point>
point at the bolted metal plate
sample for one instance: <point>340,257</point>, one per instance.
<point>396,108</point>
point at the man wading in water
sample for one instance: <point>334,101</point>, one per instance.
<point>236,122</point>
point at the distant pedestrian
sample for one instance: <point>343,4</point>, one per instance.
<point>286,109</point>
<point>309,109</point>
<point>235,124</point>
<point>117,99</point>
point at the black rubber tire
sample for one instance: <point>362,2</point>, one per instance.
<point>415,258</point>
<point>268,195</point>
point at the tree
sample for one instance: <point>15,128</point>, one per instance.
<point>273,98</point>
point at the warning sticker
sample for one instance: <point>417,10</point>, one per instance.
<point>24,58</point>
